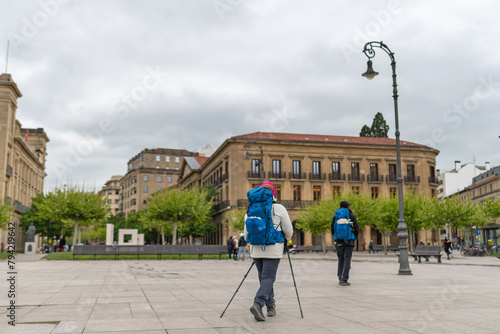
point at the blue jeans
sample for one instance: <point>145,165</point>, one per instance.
<point>344,253</point>
<point>267,269</point>
<point>241,249</point>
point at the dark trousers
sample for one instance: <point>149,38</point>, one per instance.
<point>344,253</point>
<point>267,269</point>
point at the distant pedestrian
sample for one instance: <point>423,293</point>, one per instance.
<point>230,246</point>
<point>242,244</point>
<point>235,247</point>
<point>363,245</point>
<point>345,229</point>
<point>370,247</point>
<point>62,242</point>
<point>447,246</point>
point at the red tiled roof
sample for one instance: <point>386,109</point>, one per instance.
<point>297,137</point>
<point>201,160</point>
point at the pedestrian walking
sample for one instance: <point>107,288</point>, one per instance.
<point>267,257</point>
<point>230,246</point>
<point>345,230</point>
<point>370,247</point>
<point>447,246</point>
<point>242,244</point>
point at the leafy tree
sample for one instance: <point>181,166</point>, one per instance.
<point>199,221</point>
<point>236,218</point>
<point>5,214</point>
<point>379,127</point>
<point>491,209</point>
<point>317,218</point>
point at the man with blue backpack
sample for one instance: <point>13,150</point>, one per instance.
<point>345,230</point>
<point>267,227</point>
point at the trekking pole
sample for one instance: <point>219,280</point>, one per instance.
<point>296,291</point>
<point>237,289</point>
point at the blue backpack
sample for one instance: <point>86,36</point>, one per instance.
<point>343,227</point>
<point>259,222</point>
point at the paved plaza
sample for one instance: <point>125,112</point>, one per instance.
<point>461,295</point>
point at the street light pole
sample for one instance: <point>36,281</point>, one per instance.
<point>404,266</point>
<point>247,147</point>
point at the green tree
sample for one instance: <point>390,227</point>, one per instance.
<point>199,221</point>
<point>236,218</point>
<point>491,209</point>
<point>5,214</point>
<point>317,218</point>
<point>379,127</point>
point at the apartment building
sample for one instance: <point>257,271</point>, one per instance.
<point>22,158</point>
<point>111,191</point>
<point>149,171</point>
<point>306,167</point>
<point>459,178</point>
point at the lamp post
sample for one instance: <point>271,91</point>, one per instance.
<point>404,266</point>
<point>247,147</point>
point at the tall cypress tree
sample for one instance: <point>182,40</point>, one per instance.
<point>379,128</point>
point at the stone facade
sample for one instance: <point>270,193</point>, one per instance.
<point>111,191</point>
<point>305,168</point>
<point>22,157</point>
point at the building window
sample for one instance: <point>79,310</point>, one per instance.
<point>335,191</point>
<point>109,201</point>
<point>117,192</point>
<point>167,167</point>
<point>159,188</point>
<point>145,190</point>
<point>433,193</point>
<point>410,173</point>
<point>374,192</point>
<point>169,179</point>
<point>145,178</point>
<point>177,159</point>
<point>296,193</point>
<point>355,190</point>
<point>110,192</point>
<point>129,166</point>
<point>157,158</point>
<point>374,172</point>
<point>316,169</point>
<point>393,192</point>
<point>276,169</point>
<point>296,169</point>
<point>277,188</point>
<point>142,157</point>
<point>159,178</point>
<point>167,159</point>
<point>157,167</point>
<point>117,201</point>
<point>393,174</point>
<point>335,170</point>
<point>316,193</point>
<point>355,171</point>
<point>176,168</point>
<point>255,167</point>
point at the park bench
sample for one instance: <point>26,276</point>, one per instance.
<point>316,249</point>
<point>157,250</point>
<point>389,248</point>
<point>426,252</point>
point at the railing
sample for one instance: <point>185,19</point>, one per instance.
<point>320,177</point>
<point>356,178</point>
<point>254,175</point>
<point>336,177</point>
<point>217,182</point>
<point>412,179</point>
<point>225,176</point>
<point>20,207</point>
<point>242,203</point>
<point>218,207</point>
<point>9,170</point>
<point>7,200</point>
<point>278,175</point>
<point>375,178</point>
<point>391,178</point>
<point>296,176</point>
<point>433,179</point>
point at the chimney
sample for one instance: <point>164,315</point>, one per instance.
<point>487,165</point>
<point>457,165</point>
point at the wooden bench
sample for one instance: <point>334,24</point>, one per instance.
<point>426,252</point>
<point>316,249</point>
<point>157,250</point>
<point>389,248</point>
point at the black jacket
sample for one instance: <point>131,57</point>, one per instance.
<point>242,242</point>
<point>356,230</point>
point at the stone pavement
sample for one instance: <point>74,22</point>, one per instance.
<point>461,295</point>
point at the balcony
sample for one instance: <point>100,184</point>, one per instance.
<point>217,182</point>
<point>277,175</point>
<point>391,178</point>
<point>220,206</point>
<point>225,176</point>
<point>356,178</point>
<point>412,179</point>
<point>254,175</point>
<point>375,178</point>
<point>296,176</point>
<point>317,177</point>
<point>336,177</point>
<point>9,170</point>
<point>433,179</point>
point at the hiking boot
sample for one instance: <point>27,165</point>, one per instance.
<point>256,310</point>
<point>271,310</point>
<point>345,283</point>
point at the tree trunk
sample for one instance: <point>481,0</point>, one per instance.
<point>384,238</point>
<point>162,236</point>
<point>174,239</point>
<point>323,245</point>
<point>75,233</point>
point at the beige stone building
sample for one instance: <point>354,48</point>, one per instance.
<point>111,191</point>
<point>306,167</point>
<point>22,158</point>
<point>148,172</point>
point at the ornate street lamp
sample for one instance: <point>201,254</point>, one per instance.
<point>404,266</point>
<point>247,147</point>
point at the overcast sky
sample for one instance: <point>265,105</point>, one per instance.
<point>106,79</point>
